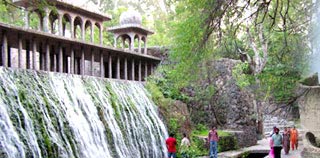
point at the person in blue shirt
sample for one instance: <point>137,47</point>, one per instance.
<point>277,143</point>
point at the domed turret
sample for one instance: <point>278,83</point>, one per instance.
<point>130,17</point>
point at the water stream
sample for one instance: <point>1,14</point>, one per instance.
<point>58,115</point>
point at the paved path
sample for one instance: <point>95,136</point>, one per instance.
<point>261,147</point>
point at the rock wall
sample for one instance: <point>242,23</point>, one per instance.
<point>233,106</point>
<point>309,105</point>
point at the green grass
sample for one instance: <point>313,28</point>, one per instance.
<point>221,133</point>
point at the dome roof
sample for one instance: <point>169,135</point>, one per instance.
<point>130,17</point>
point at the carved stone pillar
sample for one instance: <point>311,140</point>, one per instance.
<point>4,50</point>
<point>118,67</point>
<point>34,54</point>
<point>46,20</point>
<point>100,34</point>
<point>72,60</point>
<point>60,62</point>
<point>47,59</point>
<point>139,70</point>
<point>82,62</point>
<point>19,51</point>
<point>92,33</point>
<point>55,60</point>
<point>125,68</point>
<point>145,70</point>
<point>139,44</point>
<point>131,47</point>
<point>83,31</point>
<point>110,66</point>
<point>101,64</point>
<point>60,16</point>
<point>72,27</point>
<point>145,46</point>
<point>132,70</point>
<point>92,62</point>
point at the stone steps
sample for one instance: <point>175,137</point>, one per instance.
<point>271,121</point>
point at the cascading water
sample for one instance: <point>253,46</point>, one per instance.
<point>57,115</point>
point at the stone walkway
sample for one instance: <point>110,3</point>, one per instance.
<point>261,147</point>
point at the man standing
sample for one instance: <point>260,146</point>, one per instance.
<point>171,143</point>
<point>277,143</point>
<point>213,139</point>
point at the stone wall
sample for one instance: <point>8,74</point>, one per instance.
<point>232,105</point>
<point>309,105</point>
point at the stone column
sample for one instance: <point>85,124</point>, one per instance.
<point>60,16</point>
<point>19,51</point>
<point>139,70</point>
<point>101,64</point>
<point>110,65</point>
<point>47,60</point>
<point>72,27</point>
<point>72,60</point>
<point>55,60</point>
<point>76,66</point>
<point>83,31</point>
<point>82,62</point>
<point>34,54</point>
<point>131,47</point>
<point>132,70</point>
<point>4,50</point>
<point>41,57</point>
<point>145,70</point>
<point>115,41</point>
<point>145,46</point>
<point>125,68</point>
<point>118,67</point>
<point>92,33</point>
<point>60,58</point>
<point>92,62</point>
<point>46,20</point>
<point>152,68</point>
<point>139,43</point>
<point>100,33</point>
<point>123,42</point>
<point>26,18</point>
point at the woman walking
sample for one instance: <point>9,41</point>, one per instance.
<point>286,141</point>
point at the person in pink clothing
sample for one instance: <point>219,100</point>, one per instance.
<point>213,139</point>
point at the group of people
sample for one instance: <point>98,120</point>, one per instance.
<point>171,143</point>
<point>213,139</point>
<point>278,141</point>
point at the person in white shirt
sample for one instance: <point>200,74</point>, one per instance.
<point>185,144</point>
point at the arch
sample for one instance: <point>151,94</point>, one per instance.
<point>87,25</point>
<point>118,42</point>
<point>66,25</point>
<point>35,20</point>
<point>78,28</point>
<point>97,33</point>
<point>125,43</point>
<point>53,22</point>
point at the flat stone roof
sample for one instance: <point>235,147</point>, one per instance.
<point>82,10</point>
<point>130,27</point>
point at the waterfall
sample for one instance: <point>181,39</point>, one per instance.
<point>45,114</point>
